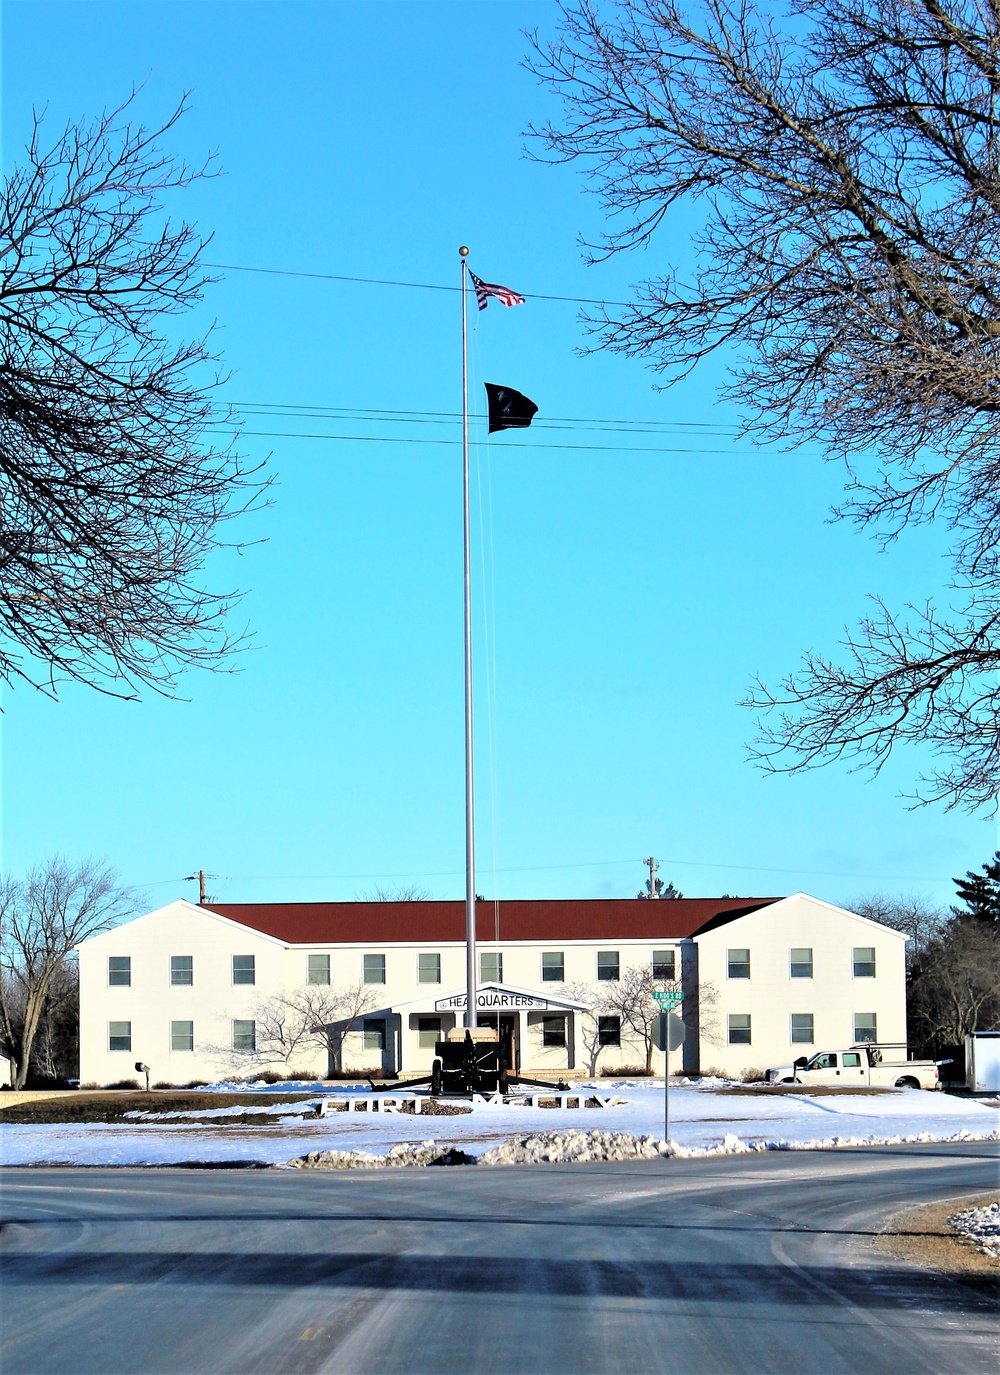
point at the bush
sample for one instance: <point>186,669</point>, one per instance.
<point>753,1076</point>
<point>269,1076</point>
<point>362,1074</point>
<point>162,1084</point>
<point>123,1084</point>
<point>626,1072</point>
<point>194,1084</point>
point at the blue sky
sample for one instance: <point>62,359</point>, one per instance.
<point>623,599</point>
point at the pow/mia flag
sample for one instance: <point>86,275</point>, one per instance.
<point>508,409</point>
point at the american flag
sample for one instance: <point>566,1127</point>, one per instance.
<point>484,290</point>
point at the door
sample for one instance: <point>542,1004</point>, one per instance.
<point>505,1024</point>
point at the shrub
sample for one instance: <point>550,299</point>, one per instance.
<point>195,1084</point>
<point>162,1084</point>
<point>753,1076</point>
<point>362,1074</point>
<point>626,1072</point>
<point>123,1084</point>
<point>269,1076</point>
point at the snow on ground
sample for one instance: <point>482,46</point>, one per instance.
<point>981,1226</point>
<point>702,1119</point>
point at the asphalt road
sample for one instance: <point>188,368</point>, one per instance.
<point>743,1264</point>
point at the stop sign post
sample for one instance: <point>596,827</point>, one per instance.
<point>668,1001</point>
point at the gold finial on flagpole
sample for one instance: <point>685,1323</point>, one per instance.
<point>464,251</point>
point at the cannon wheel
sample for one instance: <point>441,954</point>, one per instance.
<point>503,1083</point>
<point>437,1084</point>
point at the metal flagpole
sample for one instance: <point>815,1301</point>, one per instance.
<point>470,830</point>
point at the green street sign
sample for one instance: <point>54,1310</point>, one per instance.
<point>669,999</point>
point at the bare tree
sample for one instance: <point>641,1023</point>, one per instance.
<point>845,160</point>
<point>920,920</point>
<point>114,476</point>
<point>957,988</point>
<point>408,892</point>
<point>42,919</point>
<point>315,1015</point>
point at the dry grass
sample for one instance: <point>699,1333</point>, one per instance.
<point>922,1235</point>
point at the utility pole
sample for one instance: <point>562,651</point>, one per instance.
<point>653,866</point>
<point>202,891</point>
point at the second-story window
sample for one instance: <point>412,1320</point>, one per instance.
<point>429,969</point>
<point>607,964</point>
<point>664,964</point>
<point>801,963</point>
<point>491,967</point>
<point>864,962</point>
<point>244,969</point>
<point>182,970</point>
<point>319,969</point>
<point>739,964</point>
<point>553,966</point>
<point>120,971</point>
<point>374,969</point>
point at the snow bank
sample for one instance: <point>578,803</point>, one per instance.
<point>405,1153</point>
<point>982,1227</point>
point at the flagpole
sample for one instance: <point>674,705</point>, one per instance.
<point>470,830</point>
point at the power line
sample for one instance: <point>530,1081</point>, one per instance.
<point>412,286</point>
<point>266,407</point>
<point>411,439</point>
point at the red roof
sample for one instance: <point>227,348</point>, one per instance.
<point>578,919</point>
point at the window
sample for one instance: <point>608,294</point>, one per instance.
<point>607,966</point>
<point>851,1059</point>
<point>120,970</point>
<point>864,962</point>
<point>373,1035</point>
<point>801,962</point>
<point>374,969</point>
<point>865,1027</point>
<point>553,967</point>
<point>739,964</point>
<point>119,1036</point>
<point>664,966</point>
<point>244,1035</point>
<point>319,969</point>
<point>429,969</point>
<point>609,1031</point>
<point>802,1028</point>
<point>428,1029</point>
<point>182,970</point>
<point>243,969</point>
<point>182,1035</point>
<point>491,967</point>
<point>553,1031</point>
<point>739,1028</point>
<point>827,1060</point>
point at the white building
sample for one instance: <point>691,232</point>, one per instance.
<point>195,992</point>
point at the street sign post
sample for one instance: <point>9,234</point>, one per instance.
<point>668,1001</point>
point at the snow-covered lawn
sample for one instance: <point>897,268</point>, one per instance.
<point>703,1118</point>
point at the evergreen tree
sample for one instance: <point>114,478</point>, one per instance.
<point>980,893</point>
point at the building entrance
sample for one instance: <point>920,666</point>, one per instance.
<point>505,1024</point>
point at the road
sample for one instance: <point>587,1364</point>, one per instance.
<point>742,1264</point>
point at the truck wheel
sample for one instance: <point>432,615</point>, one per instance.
<point>436,1079</point>
<point>907,1083</point>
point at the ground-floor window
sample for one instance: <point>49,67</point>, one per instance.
<point>374,1033</point>
<point>739,1028</point>
<point>182,1035</point>
<point>245,1035</point>
<point>119,1036</point>
<point>802,1028</point>
<point>865,1028</point>
<point>609,1031</point>
<point>428,1032</point>
<point>553,1031</point>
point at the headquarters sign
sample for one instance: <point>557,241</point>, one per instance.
<point>490,1000</point>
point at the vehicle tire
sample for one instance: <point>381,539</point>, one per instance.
<point>436,1079</point>
<point>907,1082</point>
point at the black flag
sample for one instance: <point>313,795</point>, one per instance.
<point>508,409</point>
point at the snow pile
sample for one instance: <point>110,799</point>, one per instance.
<point>981,1226</point>
<point>560,1147</point>
<point>403,1153</point>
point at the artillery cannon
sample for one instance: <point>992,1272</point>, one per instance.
<point>473,1061</point>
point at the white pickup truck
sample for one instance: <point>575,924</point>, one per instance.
<point>865,1065</point>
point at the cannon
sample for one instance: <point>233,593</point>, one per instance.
<point>473,1062</point>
